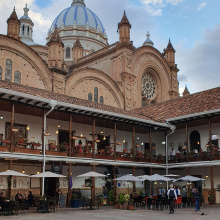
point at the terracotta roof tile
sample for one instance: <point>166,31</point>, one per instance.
<point>66,99</point>
<point>198,102</point>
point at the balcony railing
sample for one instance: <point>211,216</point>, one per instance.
<point>87,152</point>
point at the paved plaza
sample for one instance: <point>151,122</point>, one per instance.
<point>211,213</point>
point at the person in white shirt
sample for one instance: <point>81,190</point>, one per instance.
<point>172,197</point>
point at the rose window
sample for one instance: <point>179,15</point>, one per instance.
<point>148,86</point>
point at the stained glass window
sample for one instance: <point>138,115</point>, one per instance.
<point>96,94</point>
<point>17,77</point>
<point>8,70</point>
<point>148,86</point>
<point>90,97</point>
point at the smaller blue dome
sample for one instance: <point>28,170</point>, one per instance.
<point>148,41</point>
<point>25,17</point>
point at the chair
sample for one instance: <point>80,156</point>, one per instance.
<point>149,203</point>
<point>52,204</point>
<point>14,206</point>
<point>138,200</point>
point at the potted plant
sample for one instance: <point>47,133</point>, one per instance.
<point>126,200</point>
<point>63,146</point>
<point>211,199</point>
<point>131,203</point>
<point>110,197</point>
<point>116,205</point>
<point>108,150</point>
<point>138,154</point>
<point>121,201</point>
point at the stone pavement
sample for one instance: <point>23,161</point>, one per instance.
<point>107,213</point>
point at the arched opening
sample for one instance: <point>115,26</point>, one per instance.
<point>17,77</point>
<point>195,144</point>
<point>28,31</point>
<point>90,97</point>
<point>67,52</point>
<point>0,73</point>
<point>8,70</point>
<point>96,95</point>
<point>23,27</point>
<point>101,100</point>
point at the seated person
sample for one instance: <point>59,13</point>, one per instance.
<point>18,197</point>
<point>29,200</point>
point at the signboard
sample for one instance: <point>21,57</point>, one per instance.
<point>56,169</point>
<point>62,201</point>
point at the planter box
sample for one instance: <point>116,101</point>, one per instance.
<point>124,158</point>
<point>89,155</point>
<point>4,149</point>
<point>56,153</point>
<point>26,150</point>
<point>104,157</point>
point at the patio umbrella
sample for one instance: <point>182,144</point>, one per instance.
<point>48,174</point>
<point>92,174</point>
<point>128,177</point>
<point>95,175</point>
<point>156,177</point>
<point>12,173</point>
<point>171,175</point>
<point>189,179</point>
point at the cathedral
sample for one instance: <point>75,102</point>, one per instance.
<point>78,61</point>
<point>78,103</point>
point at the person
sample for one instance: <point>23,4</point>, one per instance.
<point>162,192</point>
<point>194,191</point>
<point>78,194</point>
<point>57,195</point>
<point>197,200</point>
<point>184,200</point>
<point>30,199</point>
<point>18,197</point>
<point>172,153</point>
<point>172,197</point>
<point>104,191</point>
<point>178,191</point>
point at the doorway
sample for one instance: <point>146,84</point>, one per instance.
<point>51,184</point>
<point>195,141</point>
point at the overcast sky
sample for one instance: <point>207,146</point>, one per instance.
<point>192,25</point>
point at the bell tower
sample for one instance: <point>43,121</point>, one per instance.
<point>124,28</point>
<point>13,25</point>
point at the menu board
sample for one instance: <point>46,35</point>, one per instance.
<point>62,201</point>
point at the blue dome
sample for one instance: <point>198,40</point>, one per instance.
<point>25,17</point>
<point>79,15</point>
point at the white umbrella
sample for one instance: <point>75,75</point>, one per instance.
<point>143,176</point>
<point>156,177</point>
<point>92,174</point>
<point>12,173</point>
<point>48,174</point>
<point>171,175</point>
<point>189,178</point>
<point>128,177</point>
<point>95,175</point>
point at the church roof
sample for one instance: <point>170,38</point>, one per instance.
<point>13,16</point>
<point>170,46</point>
<point>124,20</point>
<point>191,104</point>
<point>68,99</point>
<point>55,37</point>
<point>77,43</point>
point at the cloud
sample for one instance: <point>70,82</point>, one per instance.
<point>199,67</point>
<point>155,7</point>
<point>202,5</point>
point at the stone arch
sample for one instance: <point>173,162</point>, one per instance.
<point>148,58</point>
<point>83,82</point>
<point>39,74</point>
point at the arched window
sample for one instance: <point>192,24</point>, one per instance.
<point>8,70</point>
<point>0,73</point>
<point>28,31</point>
<point>90,97</point>
<point>17,77</point>
<point>67,52</point>
<point>101,100</point>
<point>23,27</point>
<point>96,95</point>
<point>195,141</point>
